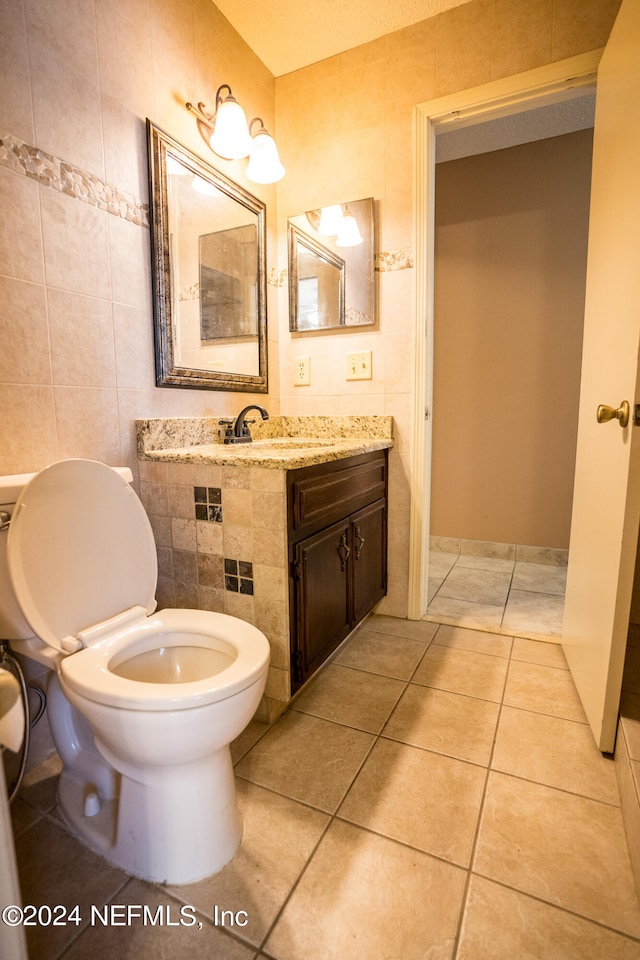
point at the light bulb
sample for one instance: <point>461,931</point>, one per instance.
<point>330,220</point>
<point>264,163</point>
<point>349,232</point>
<point>230,138</point>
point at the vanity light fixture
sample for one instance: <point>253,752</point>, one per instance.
<point>349,233</point>
<point>336,221</point>
<point>330,220</point>
<point>229,136</point>
<point>264,163</point>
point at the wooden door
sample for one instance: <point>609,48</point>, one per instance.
<point>606,506</point>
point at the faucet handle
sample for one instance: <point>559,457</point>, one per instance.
<point>226,427</point>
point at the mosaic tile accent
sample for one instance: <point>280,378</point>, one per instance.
<point>355,318</point>
<point>208,504</point>
<point>50,171</point>
<point>238,576</point>
<point>277,278</point>
<point>385,261</point>
<point>192,292</point>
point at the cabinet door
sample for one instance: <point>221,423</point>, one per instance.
<point>323,595</point>
<point>368,557</point>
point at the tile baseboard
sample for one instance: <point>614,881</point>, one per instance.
<point>553,556</point>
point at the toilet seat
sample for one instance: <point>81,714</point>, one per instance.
<point>79,523</point>
<point>234,652</point>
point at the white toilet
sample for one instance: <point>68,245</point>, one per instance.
<point>142,705</point>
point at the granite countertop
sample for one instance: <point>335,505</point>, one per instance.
<point>280,443</point>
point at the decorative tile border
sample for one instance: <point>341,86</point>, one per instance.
<point>277,278</point>
<point>384,262</point>
<point>389,260</point>
<point>50,171</point>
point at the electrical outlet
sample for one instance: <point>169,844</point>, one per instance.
<point>301,371</point>
<point>359,365</point>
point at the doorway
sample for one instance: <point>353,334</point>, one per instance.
<point>511,229</point>
<point>507,98</point>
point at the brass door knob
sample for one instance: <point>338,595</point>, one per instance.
<point>621,414</point>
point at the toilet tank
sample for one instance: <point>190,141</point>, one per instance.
<point>13,626</point>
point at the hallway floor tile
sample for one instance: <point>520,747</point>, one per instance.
<point>507,596</point>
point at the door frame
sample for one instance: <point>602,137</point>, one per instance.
<point>552,83</point>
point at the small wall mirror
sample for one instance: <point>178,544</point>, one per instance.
<point>331,279</point>
<point>209,273</point>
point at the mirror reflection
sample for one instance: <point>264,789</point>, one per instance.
<point>209,274</point>
<point>316,283</point>
<point>331,278</point>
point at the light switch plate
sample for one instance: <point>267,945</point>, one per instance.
<point>359,365</point>
<point>301,371</point>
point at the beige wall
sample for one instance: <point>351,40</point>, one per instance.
<point>511,250</point>
<point>77,80</point>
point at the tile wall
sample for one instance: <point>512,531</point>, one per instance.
<point>222,545</point>
<point>76,84</point>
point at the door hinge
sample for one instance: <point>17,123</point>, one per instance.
<point>295,569</point>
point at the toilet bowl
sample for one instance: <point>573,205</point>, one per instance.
<point>143,704</point>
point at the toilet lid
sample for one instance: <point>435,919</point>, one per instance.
<point>80,550</point>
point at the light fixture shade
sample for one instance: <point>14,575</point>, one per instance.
<point>230,138</point>
<point>264,163</point>
<point>349,232</point>
<point>330,220</point>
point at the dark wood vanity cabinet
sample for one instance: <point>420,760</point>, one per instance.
<point>337,529</point>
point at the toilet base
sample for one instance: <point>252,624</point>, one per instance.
<point>194,821</point>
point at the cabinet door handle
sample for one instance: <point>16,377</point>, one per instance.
<point>344,551</point>
<point>359,542</point>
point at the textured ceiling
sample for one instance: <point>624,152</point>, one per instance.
<point>289,34</point>
<point>551,120</point>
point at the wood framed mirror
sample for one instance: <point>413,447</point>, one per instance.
<point>331,267</point>
<point>208,261</point>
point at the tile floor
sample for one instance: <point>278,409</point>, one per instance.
<point>504,596</point>
<point>434,793</point>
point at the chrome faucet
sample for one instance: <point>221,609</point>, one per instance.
<point>239,431</point>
